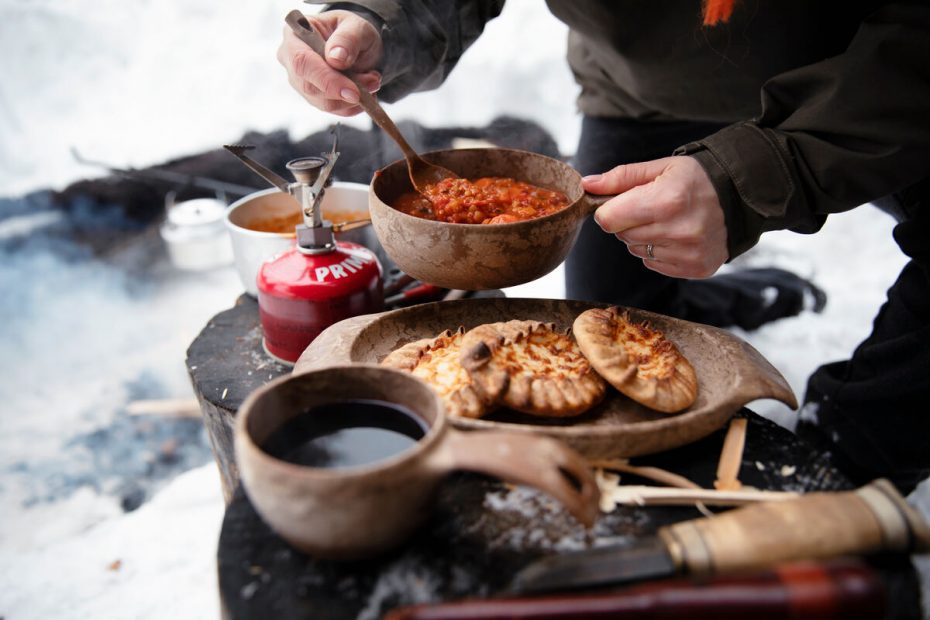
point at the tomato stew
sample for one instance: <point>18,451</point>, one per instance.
<point>488,200</point>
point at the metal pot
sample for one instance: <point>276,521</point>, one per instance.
<point>193,233</point>
<point>252,247</point>
<point>481,256</point>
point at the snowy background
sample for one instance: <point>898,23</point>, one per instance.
<point>138,83</point>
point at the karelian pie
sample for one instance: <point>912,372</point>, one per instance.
<point>636,358</point>
<point>532,367</point>
<point>436,361</point>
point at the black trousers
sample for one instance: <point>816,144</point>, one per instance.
<point>873,410</point>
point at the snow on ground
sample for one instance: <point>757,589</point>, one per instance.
<point>139,83</point>
<point>156,562</point>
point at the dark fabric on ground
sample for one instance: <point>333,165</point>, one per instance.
<point>749,298</point>
<point>139,194</point>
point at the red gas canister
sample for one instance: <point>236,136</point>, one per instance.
<point>300,295</point>
<point>319,281</point>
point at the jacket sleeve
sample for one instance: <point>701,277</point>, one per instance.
<point>423,39</point>
<point>832,135</point>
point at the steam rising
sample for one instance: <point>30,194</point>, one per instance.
<point>82,336</point>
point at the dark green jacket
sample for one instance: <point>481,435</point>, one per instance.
<point>830,102</point>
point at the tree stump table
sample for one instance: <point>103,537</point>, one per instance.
<point>225,363</point>
<point>483,531</point>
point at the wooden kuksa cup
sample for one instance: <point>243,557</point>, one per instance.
<point>357,512</point>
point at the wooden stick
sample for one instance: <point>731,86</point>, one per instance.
<point>637,495</point>
<point>347,226</point>
<point>655,474</point>
<point>167,407</point>
<point>731,457</point>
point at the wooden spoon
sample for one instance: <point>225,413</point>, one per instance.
<point>422,173</point>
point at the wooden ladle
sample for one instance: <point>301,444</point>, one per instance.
<point>422,172</point>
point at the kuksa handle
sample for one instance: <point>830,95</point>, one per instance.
<point>844,589</point>
<point>872,519</point>
<point>541,462</point>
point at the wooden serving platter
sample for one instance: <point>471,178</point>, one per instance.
<point>730,372</point>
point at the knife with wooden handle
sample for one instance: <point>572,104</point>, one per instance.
<point>840,589</point>
<point>822,525</point>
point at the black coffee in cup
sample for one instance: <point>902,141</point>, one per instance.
<point>346,434</point>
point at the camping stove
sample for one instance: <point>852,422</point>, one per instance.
<point>319,281</point>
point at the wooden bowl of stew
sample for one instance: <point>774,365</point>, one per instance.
<point>480,256</point>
